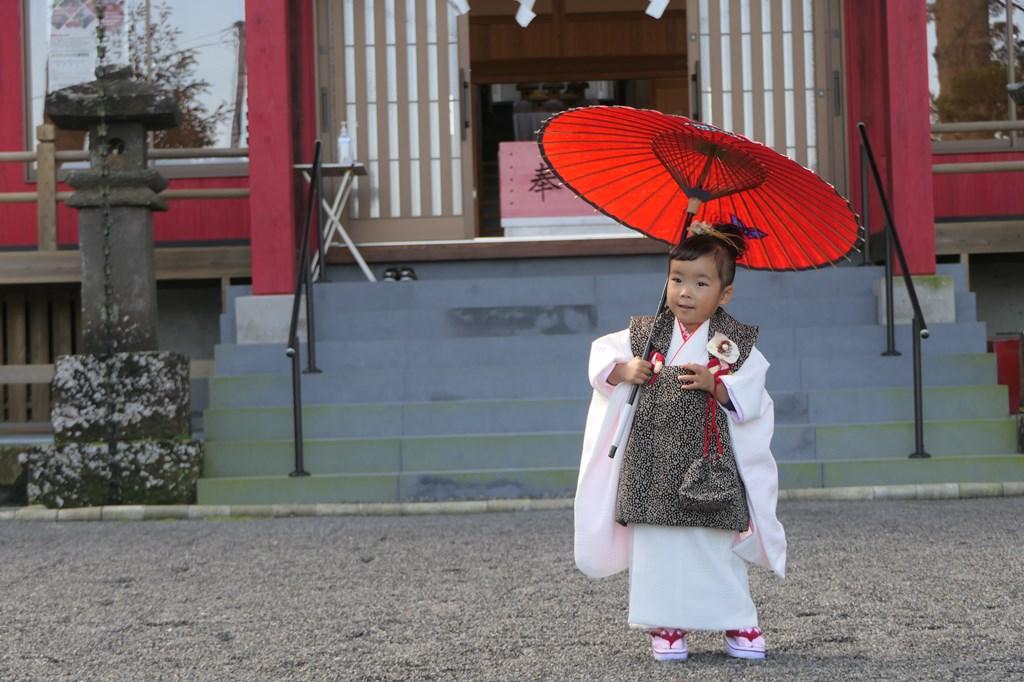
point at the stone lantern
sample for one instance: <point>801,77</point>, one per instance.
<point>121,410</point>
<point>115,198</point>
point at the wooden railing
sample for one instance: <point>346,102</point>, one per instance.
<point>47,157</point>
<point>978,166</point>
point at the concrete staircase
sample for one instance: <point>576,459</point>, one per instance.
<point>471,383</point>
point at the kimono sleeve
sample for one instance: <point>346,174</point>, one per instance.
<point>746,386</point>
<point>605,353</point>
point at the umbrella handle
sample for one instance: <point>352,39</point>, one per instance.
<point>624,421</point>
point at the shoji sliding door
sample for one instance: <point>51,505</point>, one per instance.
<point>772,70</point>
<point>395,72</point>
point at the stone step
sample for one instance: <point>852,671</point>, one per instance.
<point>459,485</point>
<point>894,439</point>
<point>569,318</point>
<point>568,379</point>
<point>955,369</point>
<point>561,482</point>
<point>486,451</point>
<point>882,404</point>
<point>629,291</point>
<point>901,471</point>
<point>775,343</point>
<point>395,455</point>
<point>769,299</point>
<point>399,419</point>
<point>633,283</point>
<point>355,420</point>
<point>828,280</point>
<point>489,321</point>
<point>567,289</point>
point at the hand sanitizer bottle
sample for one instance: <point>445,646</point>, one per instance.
<point>345,146</point>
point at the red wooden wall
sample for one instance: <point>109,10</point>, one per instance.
<point>979,195</point>
<point>187,220</point>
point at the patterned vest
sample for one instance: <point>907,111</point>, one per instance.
<point>668,476</point>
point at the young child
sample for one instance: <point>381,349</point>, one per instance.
<point>697,486</point>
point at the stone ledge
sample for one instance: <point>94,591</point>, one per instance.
<point>35,514</point>
<point>163,512</point>
<point>208,511</point>
<point>925,491</point>
<point>80,514</point>
<point>126,512</point>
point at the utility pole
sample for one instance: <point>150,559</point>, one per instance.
<point>236,118</point>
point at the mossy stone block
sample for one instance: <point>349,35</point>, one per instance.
<point>159,472</point>
<point>95,474</point>
<point>120,397</point>
<point>74,475</point>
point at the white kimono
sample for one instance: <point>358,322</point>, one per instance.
<point>690,578</point>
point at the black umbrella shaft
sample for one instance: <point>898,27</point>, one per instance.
<point>635,391</point>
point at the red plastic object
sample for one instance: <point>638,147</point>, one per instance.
<point>1009,365</point>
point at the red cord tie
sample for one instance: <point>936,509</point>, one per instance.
<point>658,360</point>
<point>711,431</point>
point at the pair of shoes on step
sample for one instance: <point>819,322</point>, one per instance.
<point>403,274</point>
<point>669,644</point>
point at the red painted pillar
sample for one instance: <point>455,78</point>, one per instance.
<point>887,88</point>
<point>271,146</point>
<point>18,220</point>
<point>305,94</point>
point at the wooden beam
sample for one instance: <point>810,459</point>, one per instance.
<point>203,262</point>
<point>200,262</point>
<point>578,68</point>
<point>986,236</point>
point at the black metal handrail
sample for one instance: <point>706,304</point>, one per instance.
<point>304,282</point>
<point>920,327</point>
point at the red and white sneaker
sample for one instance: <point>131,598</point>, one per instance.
<point>669,644</point>
<point>747,643</point>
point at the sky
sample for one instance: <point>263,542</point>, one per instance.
<point>206,25</point>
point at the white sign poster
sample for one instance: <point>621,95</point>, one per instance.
<point>72,54</point>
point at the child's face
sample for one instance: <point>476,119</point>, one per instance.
<point>695,290</point>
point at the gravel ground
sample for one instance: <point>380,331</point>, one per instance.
<point>876,590</point>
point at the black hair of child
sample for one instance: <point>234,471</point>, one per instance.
<point>725,250</point>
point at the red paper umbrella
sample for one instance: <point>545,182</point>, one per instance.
<point>655,172</point>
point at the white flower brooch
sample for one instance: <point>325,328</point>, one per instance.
<point>723,348</point>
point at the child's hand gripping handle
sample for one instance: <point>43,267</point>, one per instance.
<point>627,413</point>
